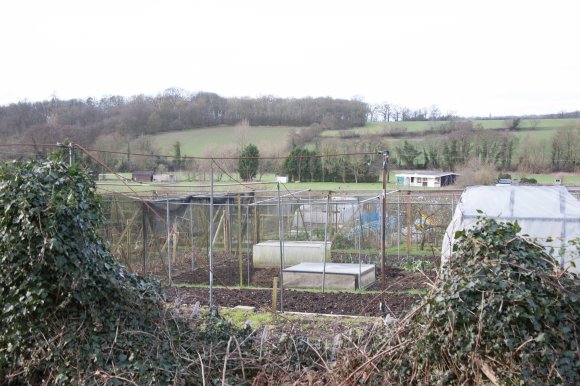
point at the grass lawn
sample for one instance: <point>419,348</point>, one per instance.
<point>223,139</point>
<point>227,185</point>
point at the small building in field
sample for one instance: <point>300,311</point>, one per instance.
<point>164,178</point>
<point>142,176</point>
<point>426,179</point>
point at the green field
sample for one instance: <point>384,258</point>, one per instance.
<point>227,185</point>
<point>420,126</point>
<point>221,140</point>
<point>227,141</point>
<point>548,179</point>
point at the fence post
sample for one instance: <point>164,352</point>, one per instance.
<point>408,222</point>
<point>240,241</point>
<point>144,220</point>
<point>281,236</point>
<point>168,244</point>
<point>275,294</point>
<point>192,238</point>
<point>325,241</point>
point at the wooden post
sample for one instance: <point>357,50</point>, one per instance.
<point>228,228</point>
<point>129,246</point>
<point>303,223</point>
<point>275,294</point>
<point>175,240</point>
<point>217,232</point>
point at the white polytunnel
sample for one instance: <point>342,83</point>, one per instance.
<point>548,214</point>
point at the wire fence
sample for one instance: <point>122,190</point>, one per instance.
<point>167,237</point>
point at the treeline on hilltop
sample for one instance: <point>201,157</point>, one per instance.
<point>82,121</point>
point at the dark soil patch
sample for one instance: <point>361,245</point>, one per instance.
<point>397,279</point>
<point>340,303</point>
<point>227,273</point>
<point>397,283</point>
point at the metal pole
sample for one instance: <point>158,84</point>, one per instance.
<point>359,241</point>
<point>325,241</point>
<point>248,239</point>
<point>399,226</point>
<point>239,246</point>
<point>309,216</point>
<point>408,223</point>
<point>144,220</point>
<point>281,237</point>
<point>168,243</point>
<point>192,239</point>
<point>383,223</point>
<point>211,239</point>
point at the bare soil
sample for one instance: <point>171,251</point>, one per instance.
<point>396,296</point>
<point>338,303</point>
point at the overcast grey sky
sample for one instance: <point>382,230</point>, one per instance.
<point>470,57</point>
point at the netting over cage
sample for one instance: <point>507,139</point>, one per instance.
<point>147,235</point>
<point>144,233</point>
<point>550,215</point>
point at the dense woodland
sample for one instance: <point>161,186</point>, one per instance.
<point>83,121</point>
<point>451,143</point>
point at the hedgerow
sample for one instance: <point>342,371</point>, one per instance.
<point>70,315</point>
<point>504,312</point>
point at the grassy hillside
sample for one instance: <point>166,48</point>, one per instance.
<point>223,139</point>
<point>422,126</point>
<point>534,136</point>
<point>208,141</point>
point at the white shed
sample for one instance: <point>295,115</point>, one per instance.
<point>426,178</point>
<point>541,211</point>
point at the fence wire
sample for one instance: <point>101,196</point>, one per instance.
<point>168,237</point>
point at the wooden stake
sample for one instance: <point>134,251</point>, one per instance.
<point>217,232</point>
<point>175,240</point>
<point>128,259</point>
<point>275,294</point>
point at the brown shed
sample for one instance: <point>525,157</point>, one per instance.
<point>142,176</point>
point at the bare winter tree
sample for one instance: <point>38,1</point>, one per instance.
<point>434,112</point>
<point>396,109</point>
<point>373,111</point>
<point>386,110</point>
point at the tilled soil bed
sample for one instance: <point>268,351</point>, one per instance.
<point>226,273</point>
<point>340,303</point>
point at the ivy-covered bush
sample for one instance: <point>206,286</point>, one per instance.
<point>503,313</point>
<point>68,313</point>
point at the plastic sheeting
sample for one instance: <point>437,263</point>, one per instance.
<point>542,212</point>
